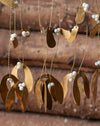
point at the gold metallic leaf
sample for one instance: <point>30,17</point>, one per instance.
<point>76,92</point>
<point>50,38</point>
<point>38,92</point>
<point>94,30</point>
<point>10,99</point>
<point>94,84</point>
<point>24,99</point>
<point>9,3</point>
<point>70,36</point>
<point>65,33</point>
<point>3,85</point>
<point>58,95</point>
<point>28,76</point>
<point>15,43</point>
<point>80,16</point>
<point>94,23</point>
<point>48,97</point>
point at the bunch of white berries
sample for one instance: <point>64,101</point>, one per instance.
<point>13,36</point>
<point>85,6</point>
<point>10,80</point>
<point>97,63</point>
<point>19,65</point>
<point>21,86</point>
<point>57,31</point>
<point>16,2</point>
<point>72,75</point>
<point>25,33</point>
<point>96,18</point>
<point>50,85</point>
<point>73,28</point>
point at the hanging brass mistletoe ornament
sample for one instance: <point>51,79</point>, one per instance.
<point>28,75</point>
<point>70,36</point>
<point>46,88</point>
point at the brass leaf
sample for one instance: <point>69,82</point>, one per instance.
<point>94,30</point>
<point>24,99</point>
<point>10,99</point>
<point>3,86</point>
<point>15,43</point>
<point>9,3</point>
<point>50,38</point>
<point>38,92</point>
<point>80,16</point>
<point>76,92</point>
<point>28,77</point>
<point>58,95</point>
<point>94,23</point>
<point>48,97</point>
<point>65,33</point>
<point>94,84</point>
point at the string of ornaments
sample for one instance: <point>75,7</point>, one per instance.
<point>47,88</point>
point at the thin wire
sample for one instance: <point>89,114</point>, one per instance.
<point>51,14</point>
<point>97,7</point>
<point>98,46</point>
<point>9,70</point>
<point>85,48</point>
<point>57,46</point>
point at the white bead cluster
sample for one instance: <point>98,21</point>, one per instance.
<point>25,33</point>
<point>10,80</point>
<point>19,65</point>
<point>21,86</point>
<point>71,76</point>
<point>86,6</point>
<point>50,85</point>
<point>96,18</point>
<point>57,31</point>
<point>13,36</point>
<point>16,2</point>
<point>73,28</point>
<point>97,63</point>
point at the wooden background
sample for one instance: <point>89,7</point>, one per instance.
<point>34,52</point>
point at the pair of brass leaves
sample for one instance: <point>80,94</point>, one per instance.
<point>64,84</point>
<point>44,95</point>
<point>76,90</point>
<point>9,3</point>
<point>8,96</point>
<point>80,16</point>
<point>70,36</point>
<point>28,76</point>
<point>94,84</point>
<point>50,38</point>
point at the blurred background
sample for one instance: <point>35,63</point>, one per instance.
<point>34,50</point>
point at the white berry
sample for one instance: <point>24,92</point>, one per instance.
<point>70,79</point>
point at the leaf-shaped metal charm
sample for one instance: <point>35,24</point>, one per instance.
<point>28,76</point>
<point>65,33</point>
<point>10,99</point>
<point>38,92</point>
<point>47,97</point>
<point>3,85</point>
<point>50,38</point>
<point>15,43</point>
<point>94,23</point>
<point>94,30</point>
<point>94,84</point>
<point>9,3</point>
<point>70,36</point>
<point>76,92</point>
<point>24,99</point>
<point>80,16</point>
<point>58,95</point>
